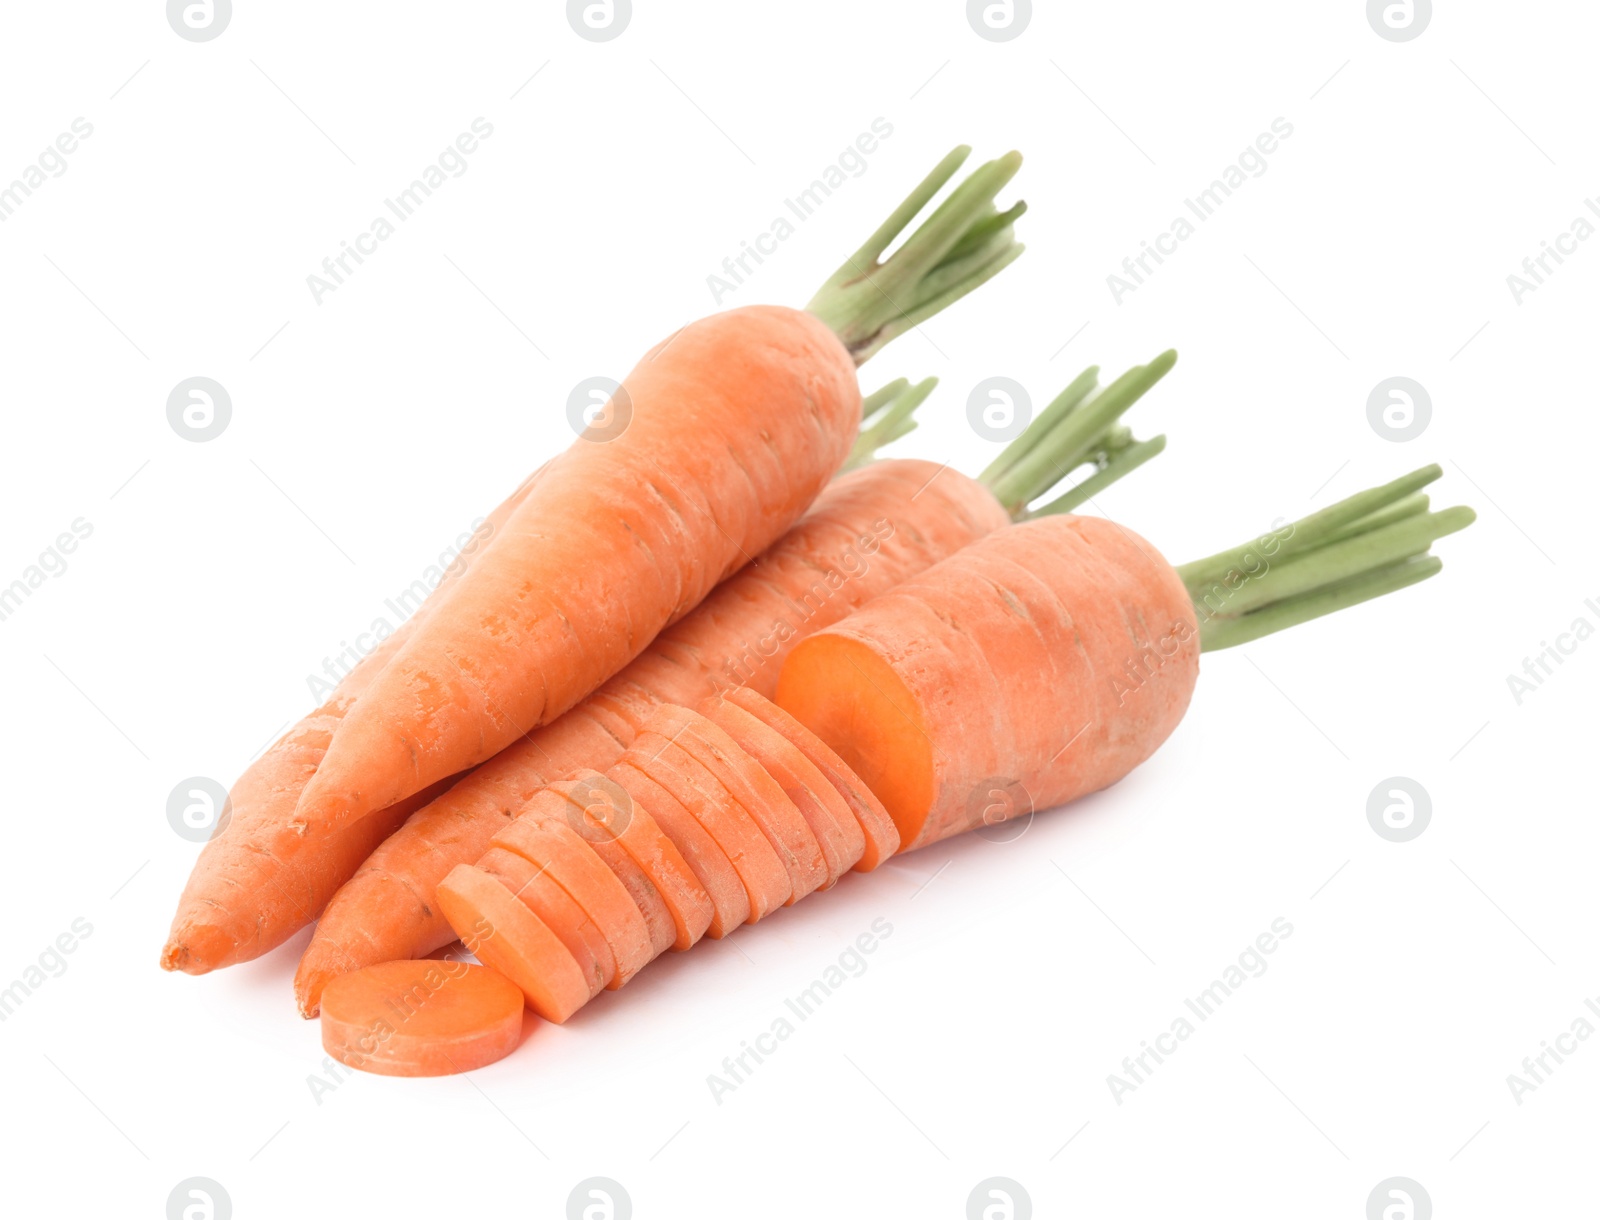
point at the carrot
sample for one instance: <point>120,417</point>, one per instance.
<point>506,936</point>
<point>1050,658</point>
<point>868,531</point>
<point>254,884</point>
<point>730,428</point>
<point>421,1018</point>
<point>543,895</point>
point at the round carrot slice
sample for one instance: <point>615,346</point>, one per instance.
<point>763,875</point>
<point>882,837</point>
<point>507,936</point>
<point>542,834</point>
<point>599,808</point>
<point>685,901</point>
<point>718,879</point>
<point>542,894</point>
<point>421,1018</point>
<point>839,834</point>
<point>761,796</point>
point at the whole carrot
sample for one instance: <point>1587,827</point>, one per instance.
<point>254,885</point>
<point>870,530</point>
<point>722,435</point>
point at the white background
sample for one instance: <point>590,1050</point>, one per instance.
<point>370,429</point>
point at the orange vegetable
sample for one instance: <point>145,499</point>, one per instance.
<point>255,883</point>
<point>1006,667</point>
<point>422,1018</point>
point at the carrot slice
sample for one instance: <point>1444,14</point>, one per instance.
<point>883,839</point>
<point>718,879</point>
<point>687,905</point>
<point>542,894</point>
<point>542,834</point>
<point>839,834</point>
<point>765,880</point>
<point>505,935</point>
<point>599,810</point>
<point>421,1018</point>
<point>761,796</point>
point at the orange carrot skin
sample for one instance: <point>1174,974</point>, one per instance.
<point>1048,659</point>
<point>737,422</point>
<point>255,884</point>
<point>868,531</point>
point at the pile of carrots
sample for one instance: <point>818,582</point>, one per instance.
<point>715,662</point>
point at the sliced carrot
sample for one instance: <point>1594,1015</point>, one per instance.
<point>882,838</point>
<point>839,834</point>
<point>765,880</point>
<point>505,935</point>
<point>532,885</point>
<point>761,796</point>
<point>599,810</point>
<point>717,878</point>
<point>421,1018</point>
<point>686,902</point>
<point>542,834</point>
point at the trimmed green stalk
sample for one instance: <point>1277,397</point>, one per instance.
<point>1076,436</point>
<point>1398,511</point>
<point>963,243</point>
<point>1122,462</point>
<point>893,422</point>
<point>1219,633</point>
<point>879,399</point>
<point>1082,386</point>
<point>1306,533</point>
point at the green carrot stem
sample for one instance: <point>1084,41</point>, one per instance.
<point>1304,534</point>
<point>1075,437</point>
<point>892,423</point>
<point>879,399</point>
<point>1398,511</point>
<point>1218,633</point>
<point>1123,462</point>
<point>1334,562</point>
<point>1082,386</point>
<point>963,243</point>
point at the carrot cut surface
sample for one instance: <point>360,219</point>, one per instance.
<point>837,831</point>
<point>761,872</point>
<point>882,837</point>
<point>421,1018</point>
<point>713,871</point>
<point>533,886</point>
<point>505,935</point>
<point>757,793</point>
